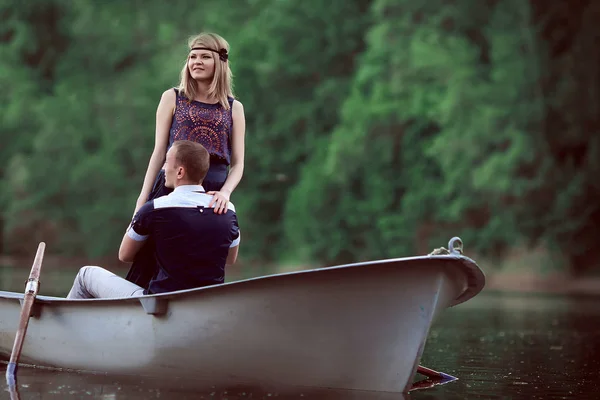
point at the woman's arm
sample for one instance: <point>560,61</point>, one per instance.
<point>236,170</point>
<point>164,116</point>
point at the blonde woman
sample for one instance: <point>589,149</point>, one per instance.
<point>203,110</point>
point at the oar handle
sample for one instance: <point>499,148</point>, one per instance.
<point>34,275</point>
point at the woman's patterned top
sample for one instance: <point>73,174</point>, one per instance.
<point>207,124</point>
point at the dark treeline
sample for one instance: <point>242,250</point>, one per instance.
<point>375,128</point>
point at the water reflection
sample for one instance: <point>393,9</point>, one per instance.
<point>518,347</point>
<point>43,384</point>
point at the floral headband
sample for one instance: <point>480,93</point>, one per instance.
<point>221,52</point>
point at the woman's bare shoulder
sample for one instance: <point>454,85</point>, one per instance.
<point>169,94</point>
<point>237,106</point>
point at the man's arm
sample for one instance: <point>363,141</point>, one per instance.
<point>233,251</point>
<point>136,234</point>
<point>129,248</point>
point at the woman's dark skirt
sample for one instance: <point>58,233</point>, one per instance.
<point>144,266</point>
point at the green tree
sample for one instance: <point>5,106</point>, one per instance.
<point>435,124</point>
<point>93,124</point>
<point>299,60</point>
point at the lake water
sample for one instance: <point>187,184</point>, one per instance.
<point>500,346</point>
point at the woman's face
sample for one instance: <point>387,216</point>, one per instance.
<point>201,65</point>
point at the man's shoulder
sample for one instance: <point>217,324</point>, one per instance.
<point>143,215</point>
<point>178,199</point>
<point>147,207</point>
<point>186,200</point>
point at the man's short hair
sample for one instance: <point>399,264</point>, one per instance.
<point>193,157</point>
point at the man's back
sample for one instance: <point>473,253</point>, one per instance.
<point>192,242</point>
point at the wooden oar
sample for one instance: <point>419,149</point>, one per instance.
<point>435,374</point>
<point>14,392</point>
<point>31,290</point>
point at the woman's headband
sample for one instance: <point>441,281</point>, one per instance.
<point>221,52</point>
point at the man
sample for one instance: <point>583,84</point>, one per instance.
<point>192,243</point>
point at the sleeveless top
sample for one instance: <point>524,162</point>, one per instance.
<point>207,124</point>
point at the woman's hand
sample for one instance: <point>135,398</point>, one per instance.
<point>219,201</point>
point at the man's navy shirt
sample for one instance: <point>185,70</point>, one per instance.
<point>192,242</point>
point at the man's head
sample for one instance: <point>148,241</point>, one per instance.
<point>187,163</point>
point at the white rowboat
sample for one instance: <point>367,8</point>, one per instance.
<point>359,326</point>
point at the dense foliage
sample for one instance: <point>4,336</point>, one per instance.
<point>375,128</point>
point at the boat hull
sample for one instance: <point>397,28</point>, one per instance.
<point>361,327</point>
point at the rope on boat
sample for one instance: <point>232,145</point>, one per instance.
<point>440,251</point>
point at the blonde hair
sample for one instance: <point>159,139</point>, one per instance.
<point>221,86</point>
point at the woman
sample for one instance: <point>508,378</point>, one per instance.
<point>201,109</point>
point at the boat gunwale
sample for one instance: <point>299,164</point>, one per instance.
<point>475,279</point>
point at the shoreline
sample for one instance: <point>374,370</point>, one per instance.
<point>526,282</point>
<point>555,283</point>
